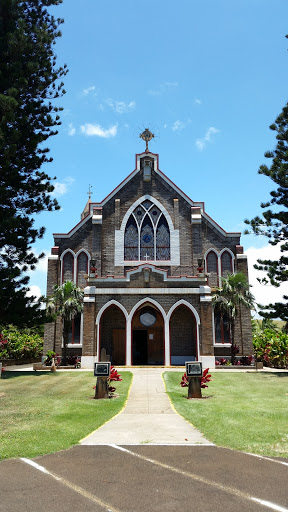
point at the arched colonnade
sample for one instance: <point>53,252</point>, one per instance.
<point>147,335</point>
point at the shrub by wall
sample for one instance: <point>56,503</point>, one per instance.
<point>271,347</point>
<point>16,344</point>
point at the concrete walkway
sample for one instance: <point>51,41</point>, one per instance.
<point>148,417</point>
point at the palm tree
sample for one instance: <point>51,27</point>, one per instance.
<point>228,300</point>
<point>66,301</point>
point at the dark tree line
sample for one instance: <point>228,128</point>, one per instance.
<point>30,81</point>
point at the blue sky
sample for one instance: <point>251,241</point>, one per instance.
<point>207,77</point>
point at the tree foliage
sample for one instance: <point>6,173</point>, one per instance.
<point>228,299</point>
<point>274,221</point>
<point>66,301</point>
<point>29,81</point>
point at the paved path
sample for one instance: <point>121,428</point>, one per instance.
<point>148,417</point>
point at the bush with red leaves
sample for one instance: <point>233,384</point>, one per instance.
<point>206,377</point>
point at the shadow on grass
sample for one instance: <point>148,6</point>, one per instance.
<point>10,374</point>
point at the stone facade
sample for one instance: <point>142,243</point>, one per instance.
<point>156,307</point>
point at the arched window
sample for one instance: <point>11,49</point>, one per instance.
<point>212,268</point>
<point>162,240</point>
<point>68,267</point>
<point>226,264</point>
<point>147,234</point>
<point>82,269</point>
<point>131,240</point>
<point>147,240</point>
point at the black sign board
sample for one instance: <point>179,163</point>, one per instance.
<point>194,369</point>
<point>102,369</point>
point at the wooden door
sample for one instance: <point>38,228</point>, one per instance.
<point>119,347</point>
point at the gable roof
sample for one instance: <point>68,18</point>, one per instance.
<point>155,157</point>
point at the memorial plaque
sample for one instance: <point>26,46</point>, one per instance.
<point>194,369</point>
<point>102,369</point>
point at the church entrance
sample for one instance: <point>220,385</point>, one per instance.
<point>113,334</point>
<point>147,339</point>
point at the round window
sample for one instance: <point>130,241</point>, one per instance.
<point>148,317</point>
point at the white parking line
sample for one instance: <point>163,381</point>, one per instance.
<point>267,458</point>
<point>76,488</point>
<point>201,479</point>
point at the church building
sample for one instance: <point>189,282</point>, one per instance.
<point>149,259</point>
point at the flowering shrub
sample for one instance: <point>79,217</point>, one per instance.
<point>16,344</point>
<point>243,361</point>
<point>114,376</point>
<point>204,379</point>
<point>271,347</point>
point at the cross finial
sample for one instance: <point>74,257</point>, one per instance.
<point>146,135</point>
<point>89,192</point>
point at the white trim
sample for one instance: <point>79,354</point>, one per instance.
<point>208,362</point>
<point>87,362</point>
<point>181,302</point>
<point>89,299</point>
<point>144,291</point>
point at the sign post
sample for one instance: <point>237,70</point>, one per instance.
<point>194,373</point>
<point>102,372</point>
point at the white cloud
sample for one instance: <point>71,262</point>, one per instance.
<point>61,188</point>
<point>201,143</point>
<point>71,129</point>
<point>197,101</point>
<point>97,130</point>
<point>90,90</point>
<point>120,107</point>
<point>178,126</point>
<point>264,294</point>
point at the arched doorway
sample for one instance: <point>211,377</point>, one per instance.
<point>147,336</point>
<point>183,335</point>
<point>113,334</point>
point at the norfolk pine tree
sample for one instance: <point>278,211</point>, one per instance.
<point>274,220</point>
<point>29,81</point>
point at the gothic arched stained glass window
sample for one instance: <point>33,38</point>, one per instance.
<point>131,240</point>
<point>162,240</point>
<point>147,240</point>
<point>226,264</point>
<point>68,267</point>
<point>147,234</point>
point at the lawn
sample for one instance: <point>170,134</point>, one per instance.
<point>245,411</point>
<point>46,412</point>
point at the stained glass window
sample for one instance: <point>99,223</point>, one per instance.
<point>147,240</point>
<point>131,240</point>
<point>226,263</point>
<point>212,268</point>
<point>162,240</point>
<point>82,269</point>
<point>147,229</point>
<point>68,267</point>
<point>147,204</point>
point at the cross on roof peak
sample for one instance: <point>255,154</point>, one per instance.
<point>147,135</point>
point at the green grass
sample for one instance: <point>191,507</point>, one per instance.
<point>47,412</point>
<point>247,411</point>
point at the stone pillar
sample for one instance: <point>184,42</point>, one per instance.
<point>89,335</point>
<point>52,331</point>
